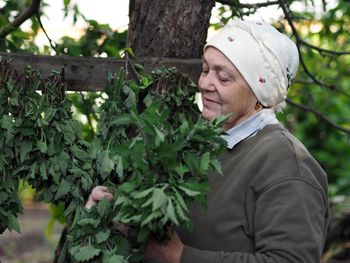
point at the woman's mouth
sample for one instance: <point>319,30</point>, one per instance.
<point>207,102</point>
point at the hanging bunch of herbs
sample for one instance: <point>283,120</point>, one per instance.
<point>42,144</point>
<point>10,205</point>
<point>154,152</point>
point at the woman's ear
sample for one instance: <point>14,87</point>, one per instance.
<point>258,106</point>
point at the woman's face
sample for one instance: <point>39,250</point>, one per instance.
<point>224,90</point>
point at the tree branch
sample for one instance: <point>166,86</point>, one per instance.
<point>255,6</point>
<point>22,17</point>
<point>299,42</point>
<point>322,50</point>
<point>51,42</point>
<point>320,115</point>
<point>303,81</point>
<point>250,6</point>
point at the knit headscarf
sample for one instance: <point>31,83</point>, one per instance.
<point>267,59</point>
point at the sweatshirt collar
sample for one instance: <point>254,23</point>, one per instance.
<point>249,127</point>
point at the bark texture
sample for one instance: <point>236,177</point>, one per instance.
<point>173,29</point>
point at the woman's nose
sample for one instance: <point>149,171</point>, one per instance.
<point>206,82</point>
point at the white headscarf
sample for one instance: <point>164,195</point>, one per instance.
<point>267,59</point>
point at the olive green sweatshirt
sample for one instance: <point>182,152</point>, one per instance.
<point>271,205</point>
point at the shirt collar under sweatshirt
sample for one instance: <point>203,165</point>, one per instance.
<point>249,127</point>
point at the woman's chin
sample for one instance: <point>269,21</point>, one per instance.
<point>209,115</point>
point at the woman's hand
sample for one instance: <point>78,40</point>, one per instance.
<point>169,252</point>
<point>97,194</point>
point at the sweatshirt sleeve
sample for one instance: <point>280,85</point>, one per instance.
<point>289,225</point>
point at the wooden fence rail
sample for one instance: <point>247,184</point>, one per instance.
<point>89,73</point>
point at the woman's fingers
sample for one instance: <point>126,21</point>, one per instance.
<point>100,192</point>
<point>97,194</point>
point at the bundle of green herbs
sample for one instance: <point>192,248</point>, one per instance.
<point>154,152</point>
<point>41,144</point>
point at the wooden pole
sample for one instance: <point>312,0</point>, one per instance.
<point>89,73</point>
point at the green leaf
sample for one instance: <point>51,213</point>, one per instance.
<point>179,199</point>
<point>42,146</point>
<point>153,215</point>
<point>131,98</point>
<point>123,119</point>
<point>148,100</point>
<point>63,189</point>
<point>66,3</point>
<point>204,163</point>
<point>189,192</point>
<point>43,171</point>
<point>63,161</point>
<point>32,170</point>
<point>114,259</point>
<point>74,250</point>
<point>119,81</point>
<point>103,207</point>
<point>86,183</point>
<point>170,211</point>
<point>70,208</point>
<point>181,169</point>
<point>159,199</point>
<point>196,186</point>
<point>149,202</point>
<point>26,146</point>
<point>216,165</point>
<point>121,200</point>
<point>119,169</point>
<point>192,162</point>
<point>89,222</point>
<point>142,194</point>
<point>104,164</point>
<point>102,236</point>
<point>180,211</point>
<point>80,153</point>
<point>49,114</point>
<point>7,123</point>
<point>68,132</point>
<point>127,187</point>
<point>13,223</point>
<point>184,128</point>
<point>160,136</point>
<point>129,51</point>
<point>86,253</point>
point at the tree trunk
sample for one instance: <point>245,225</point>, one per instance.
<point>173,29</point>
<point>163,29</point>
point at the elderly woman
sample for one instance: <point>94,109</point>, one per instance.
<point>271,204</point>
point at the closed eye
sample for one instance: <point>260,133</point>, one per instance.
<point>205,71</point>
<point>223,79</point>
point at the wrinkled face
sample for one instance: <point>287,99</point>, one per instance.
<point>224,90</point>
